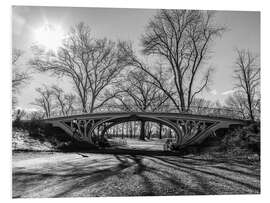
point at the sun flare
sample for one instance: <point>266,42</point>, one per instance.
<point>50,36</point>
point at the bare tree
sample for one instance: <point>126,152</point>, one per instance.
<point>91,64</point>
<point>18,115</point>
<point>201,102</point>
<point>45,100</point>
<point>247,75</point>
<point>158,78</point>
<point>138,93</point>
<point>64,101</point>
<point>201,106</point>
<point>238,102</point>
<point>70,103</point>
<point>35,115</point>
<point>182,38</point>
<point>19,78</point>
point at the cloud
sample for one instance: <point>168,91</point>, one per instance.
<point>214,92</point>
<point>228,92</point>
<point>18,23</point>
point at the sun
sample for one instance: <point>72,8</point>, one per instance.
<point>49,36</point>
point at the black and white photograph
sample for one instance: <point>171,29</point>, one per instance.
<point>117,102</point>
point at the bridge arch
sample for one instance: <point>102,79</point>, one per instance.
<point>127,118</point>
<point>189,128</point>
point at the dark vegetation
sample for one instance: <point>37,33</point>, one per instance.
<point>234,141</point>
<point>42,132</point>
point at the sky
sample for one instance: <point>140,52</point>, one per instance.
<point>29,23</point>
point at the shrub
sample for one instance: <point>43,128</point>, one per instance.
<point>236,140</point>
<point>243,138</point>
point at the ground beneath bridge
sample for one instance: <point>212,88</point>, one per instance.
<point>44,174</point>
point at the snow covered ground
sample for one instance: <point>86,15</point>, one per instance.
<point>53,174</point>
<point>22,141</point>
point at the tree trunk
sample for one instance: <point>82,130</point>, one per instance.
<point>98,129</point>
<point>91,109</point>
<point>160,131</point>
<point>84,110</point>
<point>130,129</point>
<point>122,126</point>
<point>114,132</point>
<point>134,129</point>
<point>149,130</point>
<point>250,107</point>
<point>142,133</point>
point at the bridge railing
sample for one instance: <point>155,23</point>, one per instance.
<point>194,110</point>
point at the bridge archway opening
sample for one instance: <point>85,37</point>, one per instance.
<point>107,129</point>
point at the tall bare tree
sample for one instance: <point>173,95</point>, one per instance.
<point>70,101</point>
<point>35,115</point>
<point>238,102</point>
<point>65,102</point>
<point>91,64</point>
<point>182,38</point>
<point>19,78</point>
<point>159,78</point>
<point>201,106</point>
<point>137,93</point>
<point>247,75</point>
<point>45,100</point>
